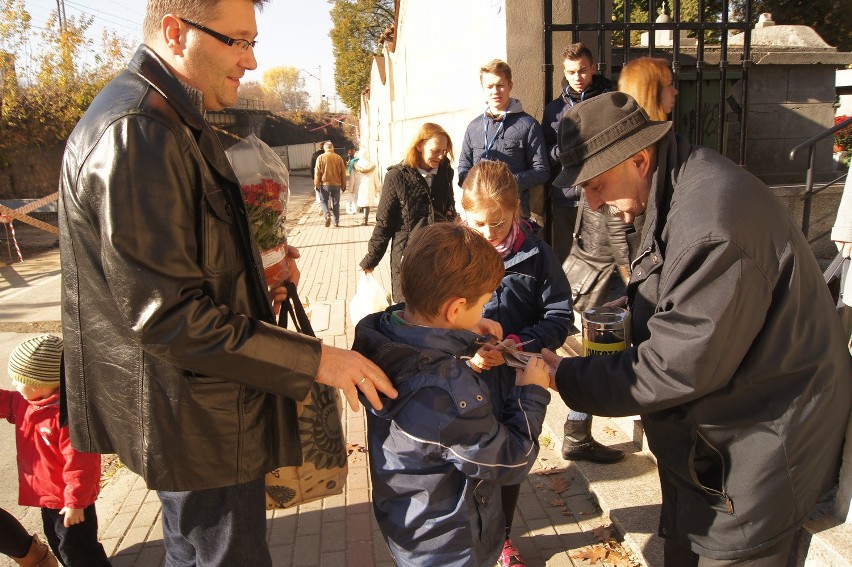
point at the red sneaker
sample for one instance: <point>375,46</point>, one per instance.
<point>511,557</point>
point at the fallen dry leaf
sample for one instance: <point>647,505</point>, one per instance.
<point>355,447</point>
<point>559,485</point>
<point>609,431</point>
<point>549,470</point>
<point>556,502</point>
<point>593,553</point>
<point>603,533</point>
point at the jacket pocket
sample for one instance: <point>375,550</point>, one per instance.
<point>514,148</point>
<point>708,470</point>
<point>488,511</point>
<point>220,239</point>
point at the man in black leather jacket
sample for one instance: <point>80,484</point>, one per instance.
<point>172,356</point>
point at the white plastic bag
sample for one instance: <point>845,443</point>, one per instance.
<point>370,297</point>
<point>351,206</point>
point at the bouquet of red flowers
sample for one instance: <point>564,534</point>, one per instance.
<point>264,181</point>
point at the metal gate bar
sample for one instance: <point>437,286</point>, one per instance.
<point>722,27</point>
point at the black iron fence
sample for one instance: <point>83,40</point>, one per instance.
<point>702,69</point>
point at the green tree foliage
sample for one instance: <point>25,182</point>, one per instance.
<point>356,27</point>
<point>285,89</point>
<point>688,13</point>
<point>832,19</point>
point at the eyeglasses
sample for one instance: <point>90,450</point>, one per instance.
<point>243,44</point>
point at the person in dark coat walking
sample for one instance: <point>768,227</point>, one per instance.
<point>738,365</point>
<point>417,192</point>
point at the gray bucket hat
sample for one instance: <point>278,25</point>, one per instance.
<point>600,133</point>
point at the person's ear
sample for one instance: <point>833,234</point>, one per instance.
<point>171,27</point>
<point>643,160</point>
<point>452,308</point>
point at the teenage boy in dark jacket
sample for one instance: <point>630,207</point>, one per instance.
<point>438,455</point>
<point>504,132</point>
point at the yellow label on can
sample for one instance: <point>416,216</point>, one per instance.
<point>590,348</point>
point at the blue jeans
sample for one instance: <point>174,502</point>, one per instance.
<point>330,192</point>
<point>217,527</point>
<point>577,415</point>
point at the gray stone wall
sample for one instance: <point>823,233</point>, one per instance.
<point>30,173</point>
<point>788,104</point>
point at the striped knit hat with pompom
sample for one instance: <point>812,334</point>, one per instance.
<point>36,361</point>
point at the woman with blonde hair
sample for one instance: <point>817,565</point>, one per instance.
<point>649,80</point>
<point>416,192</point>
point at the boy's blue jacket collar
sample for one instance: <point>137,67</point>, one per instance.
<point>401,351</point>
<point>457,343</point>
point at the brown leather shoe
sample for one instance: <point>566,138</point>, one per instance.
<point>39,555</point>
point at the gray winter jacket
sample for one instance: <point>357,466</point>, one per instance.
<point>738,367</point>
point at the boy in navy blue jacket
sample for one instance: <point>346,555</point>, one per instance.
<point>438,454</point>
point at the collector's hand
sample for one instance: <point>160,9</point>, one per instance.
<point>553,361</point>
<point>349,371</point>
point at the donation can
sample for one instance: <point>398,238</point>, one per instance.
<point>606,330</point>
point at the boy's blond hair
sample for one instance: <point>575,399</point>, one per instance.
<point>496,67</point>
<point>444,261</point>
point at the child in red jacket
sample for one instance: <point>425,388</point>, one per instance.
<point>52,475</point>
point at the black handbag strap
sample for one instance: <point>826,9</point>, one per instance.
<point>293,307</point>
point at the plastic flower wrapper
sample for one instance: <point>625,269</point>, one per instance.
<point>265,184</point>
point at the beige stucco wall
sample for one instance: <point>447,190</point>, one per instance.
<point>431,73</point>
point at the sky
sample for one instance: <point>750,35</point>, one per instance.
<point>290,33</point>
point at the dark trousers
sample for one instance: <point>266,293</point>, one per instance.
<point>77,544</point>
<point>509,494</point>
<point>216,527</point>
<point>779,554</point>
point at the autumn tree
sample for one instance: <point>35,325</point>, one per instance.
<point>356,28</point>
<point>285,89</point>
<point>14,27</point>
<point>252,95</point>
<point>54,89</point>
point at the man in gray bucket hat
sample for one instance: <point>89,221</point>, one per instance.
<point>738,366</point>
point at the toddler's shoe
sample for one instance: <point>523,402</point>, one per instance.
<point>511,557</point>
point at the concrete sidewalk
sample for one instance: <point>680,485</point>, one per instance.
<point>557,515</point>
